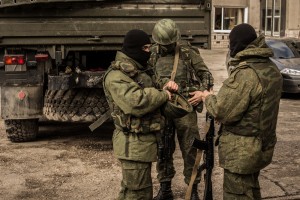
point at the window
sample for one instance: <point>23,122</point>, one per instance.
<point>227,18</point>
<point>271,17</point>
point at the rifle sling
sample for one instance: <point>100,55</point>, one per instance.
<point>100,121</point>
<point>194,174</point>
<point>195,168</point>
<point>175,65</point>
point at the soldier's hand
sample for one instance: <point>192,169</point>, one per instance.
<point>196,98</point>
<point>206,93</point>
<point>169,94</point>
<point>171,86</point>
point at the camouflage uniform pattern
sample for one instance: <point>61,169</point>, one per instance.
<point>135,111</point>
<point>241,186</point>
<point>165,32</point>
<point>186,131</point>
<point>192,73</point>
<point>190,65</point>
<point>247,105</point>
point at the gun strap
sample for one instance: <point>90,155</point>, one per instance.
<point>194,174</point>
<point>100,121</point>
<point>175,65</point>
<point>196,166</point>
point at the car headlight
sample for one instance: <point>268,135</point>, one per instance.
<point>290,71</point>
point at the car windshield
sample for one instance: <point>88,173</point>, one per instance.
<point>280,49</point>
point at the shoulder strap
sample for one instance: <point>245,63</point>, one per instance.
<point>188,193</point>
<point>175,65</point>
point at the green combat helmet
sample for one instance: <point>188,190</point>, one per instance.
<point>165,32</point>
<point>177,107</point>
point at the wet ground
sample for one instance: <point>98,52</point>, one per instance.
<point>69,162</point>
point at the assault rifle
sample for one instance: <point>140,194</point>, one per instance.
<point>207,146</point>
<point>166,144</point>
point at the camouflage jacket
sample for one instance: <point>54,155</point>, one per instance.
<point>135,109</point>
<point>191,71</point>
<point>247,105</point>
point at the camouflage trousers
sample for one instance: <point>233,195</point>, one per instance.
<point>136,183</point>
<point>241,186</point>
<point>186,130</point>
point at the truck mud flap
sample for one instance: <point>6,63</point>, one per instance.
<point>21,102</point>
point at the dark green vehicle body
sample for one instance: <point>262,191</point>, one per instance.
<point>54,53</point>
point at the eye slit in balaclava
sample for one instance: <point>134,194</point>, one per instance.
<point>240,37</point>
<point>133,46</point>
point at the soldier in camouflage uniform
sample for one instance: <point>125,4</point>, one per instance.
<point>247,105</point>
<point>135,111</point>
<point>192,76</point>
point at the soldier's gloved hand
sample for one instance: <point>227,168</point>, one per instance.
<point>196,97</point>
<point>171,86</point>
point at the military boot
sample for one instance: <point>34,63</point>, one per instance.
<point>195,195</point>
<point>165,192</point>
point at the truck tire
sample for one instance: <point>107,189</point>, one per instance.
<point>75,105</point>
<point>21,130</point>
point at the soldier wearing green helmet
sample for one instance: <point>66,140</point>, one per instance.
<point>166,32</point>
<point>192,77</point>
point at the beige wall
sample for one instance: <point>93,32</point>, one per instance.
<point>220,40</point>
<point>237,3</point>
<point>292,18</point>
<point>254,17</point>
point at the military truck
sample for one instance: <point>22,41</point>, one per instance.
<point>54,53</point>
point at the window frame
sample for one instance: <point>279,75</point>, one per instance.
<point>245,20</point>
<point>273,17</point>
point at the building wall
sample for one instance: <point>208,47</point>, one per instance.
<point>292,19</point>
<point>254,14</point>
<point>237,3</point>
<point>220,39</point>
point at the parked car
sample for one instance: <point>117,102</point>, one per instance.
<point>287,58</point>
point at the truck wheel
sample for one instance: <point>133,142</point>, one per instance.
<point>75,105</point>
<point>21,130</point>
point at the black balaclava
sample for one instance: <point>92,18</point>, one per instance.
<point>240,37</point>
<point>132,46</point>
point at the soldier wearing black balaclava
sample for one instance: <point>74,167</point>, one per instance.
<point>133,46</point>
<point>135,106</point>
<point>247,105</point>
<point>240,38</point>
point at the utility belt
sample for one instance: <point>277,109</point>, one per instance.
<point>149,123</point>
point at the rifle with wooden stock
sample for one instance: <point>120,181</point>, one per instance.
<point>207,148</point>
